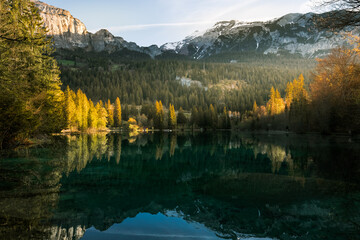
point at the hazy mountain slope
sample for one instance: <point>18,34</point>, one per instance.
<point>292,33</point>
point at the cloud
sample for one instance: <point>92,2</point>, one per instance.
<point>307,6</point>
<point>220,15</point>
<point>156,25</point>
<point>208,15</point>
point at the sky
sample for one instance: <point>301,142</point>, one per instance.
<point>148,22</point>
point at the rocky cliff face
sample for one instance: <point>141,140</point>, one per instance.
<point>70,33</point>
<point>292,33</point>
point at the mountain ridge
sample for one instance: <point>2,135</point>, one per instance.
<point>293,33</point>
<point>70,33</point>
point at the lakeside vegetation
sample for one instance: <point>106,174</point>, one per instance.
<point>331,105</point>
<point>104,91</point>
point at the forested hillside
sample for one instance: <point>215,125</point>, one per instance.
<point>252,91</point>
<point>137,80</point>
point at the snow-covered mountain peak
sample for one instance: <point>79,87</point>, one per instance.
<point>293,33</point>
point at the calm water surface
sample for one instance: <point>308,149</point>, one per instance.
<point>185,186</point>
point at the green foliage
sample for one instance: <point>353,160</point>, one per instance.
<point>144,82</point>
<point>225,120</point>
<point>213,117</point>
<point>30,95</point>
<point>181,118</point>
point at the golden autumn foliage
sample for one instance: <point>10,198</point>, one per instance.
<point>159,115</point>
<point>133,127</point>
<point>110,112</point>
<point>335,91</point>
<point>333,103</point>
<point>276,104</point>
<point>295,91</point>
<point>172,117</point>
<point>70,108</point>
<point>81,114</point>
<point>255,107</point>
<point>117,113</point>
<point>102,115</point>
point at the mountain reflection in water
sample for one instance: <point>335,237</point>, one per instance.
<point>185,186</point>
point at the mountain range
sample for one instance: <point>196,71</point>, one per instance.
<point>291,34</point>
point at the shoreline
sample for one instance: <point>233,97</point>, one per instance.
<point>47,138</point>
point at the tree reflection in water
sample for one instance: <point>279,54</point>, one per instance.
<point>279,186</point>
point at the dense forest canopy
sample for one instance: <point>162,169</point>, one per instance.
<point>235,85</point>
<point>30,95</point>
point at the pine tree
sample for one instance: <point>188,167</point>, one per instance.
<point>117,113</point>
<point>172,117</point>
<point>194,118</point>
<point>213,117</point>
<point>30,96</point>
<point>289,94</point>
<point>271,103</point>
<point>225,120</point>
<point>181,118</point>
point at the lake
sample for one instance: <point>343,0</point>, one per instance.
<point>218,185</point>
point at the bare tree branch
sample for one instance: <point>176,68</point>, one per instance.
<point>344,13</point>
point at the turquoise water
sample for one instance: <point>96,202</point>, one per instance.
<point>187,186</point>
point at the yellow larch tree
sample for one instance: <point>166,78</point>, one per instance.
<point>159,115</point>
<point>117,112</point>
<point>110,113</point>
<point>70,108</point>
<point>102,115</point>
<point>92,115</point>
<point>172,117</point>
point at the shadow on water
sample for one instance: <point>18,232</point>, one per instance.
<point>187,186</point>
